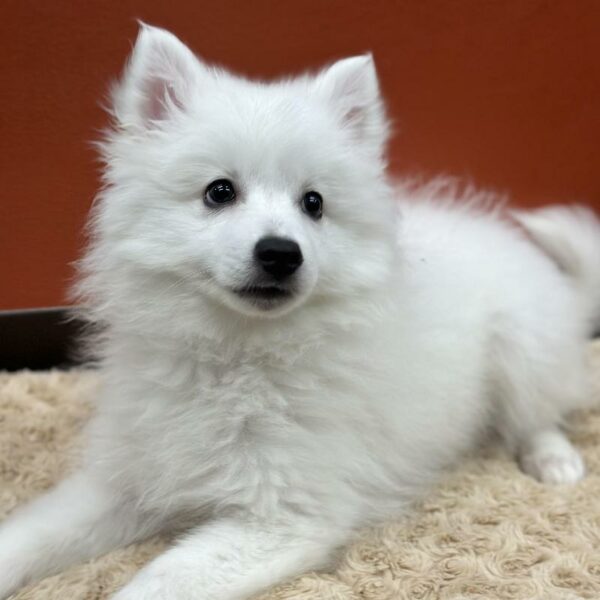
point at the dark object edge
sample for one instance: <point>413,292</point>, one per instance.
<point>38,338</point>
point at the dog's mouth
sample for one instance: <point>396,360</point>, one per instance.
<point>264,296</point>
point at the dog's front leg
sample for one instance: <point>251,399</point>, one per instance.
<point>232,560</point>
<point>77,520</point>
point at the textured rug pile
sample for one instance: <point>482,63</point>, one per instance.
<point>487,532</point>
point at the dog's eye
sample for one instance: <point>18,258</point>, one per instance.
<point>312,204</point>
<point>219,192</point>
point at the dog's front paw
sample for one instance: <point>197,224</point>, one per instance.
<point>7,587</point>
<point>9,583</point>
<point>12,576</point>
<point>149,584</point>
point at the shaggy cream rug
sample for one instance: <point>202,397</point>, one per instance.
<point>487,532</point>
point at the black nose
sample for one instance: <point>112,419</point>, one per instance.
<point>278,257</point>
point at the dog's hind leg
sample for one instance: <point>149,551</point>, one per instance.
<point>550,457</point>
<point>537,381</point>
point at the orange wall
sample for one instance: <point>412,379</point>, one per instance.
<point>506,92</point>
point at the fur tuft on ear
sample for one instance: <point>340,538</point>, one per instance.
<point>351,86</point>
<point>158,80</point>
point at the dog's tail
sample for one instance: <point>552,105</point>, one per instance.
<point>570,235</point>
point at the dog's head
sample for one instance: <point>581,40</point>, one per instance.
<point>257,196</point>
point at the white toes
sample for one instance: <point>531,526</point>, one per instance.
<point>552,468</point>
<point>551,458</point>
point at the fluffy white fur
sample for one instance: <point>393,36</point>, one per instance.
<point>269,435</point>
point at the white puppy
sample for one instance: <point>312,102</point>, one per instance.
<point>290,348</point>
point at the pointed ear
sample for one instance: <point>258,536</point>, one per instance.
<point>159,79</point>
<point>351,87</point>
